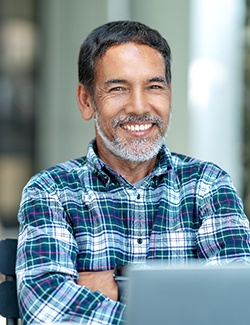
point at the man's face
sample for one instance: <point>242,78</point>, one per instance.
<point>132,102</point>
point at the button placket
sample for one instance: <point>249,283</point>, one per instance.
<point>141,229</point>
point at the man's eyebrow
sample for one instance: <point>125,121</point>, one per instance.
<point>112,81</point>
<point>115,81</point>
<point>158,79</point>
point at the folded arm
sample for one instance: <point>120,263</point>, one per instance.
<point>49,286</point>
<point>224,236</point>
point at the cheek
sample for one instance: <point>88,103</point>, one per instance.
<point>105,99</point>
<point>108,113</point>
<point>105,122</point>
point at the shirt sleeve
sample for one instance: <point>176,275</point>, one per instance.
<point>224,235</point>
<point>47,268</point>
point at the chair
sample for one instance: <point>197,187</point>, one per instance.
<point>8,293</point>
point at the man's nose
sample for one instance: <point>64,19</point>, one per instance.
<point>137,102</point>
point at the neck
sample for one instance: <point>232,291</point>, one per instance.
<point>131,171</point>
<point>134,172</point>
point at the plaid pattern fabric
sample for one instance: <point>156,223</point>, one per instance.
<point>83,216</point>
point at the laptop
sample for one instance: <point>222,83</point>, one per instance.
<point>188,295</point>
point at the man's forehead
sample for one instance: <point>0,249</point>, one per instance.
<point>132,47</point>
<point>124,61</point>
<point>128,52</point>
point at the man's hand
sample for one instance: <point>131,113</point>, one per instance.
<point>102,281</point>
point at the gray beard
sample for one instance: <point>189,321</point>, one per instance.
<point>138,150</point>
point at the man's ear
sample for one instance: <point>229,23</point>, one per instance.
<point>84,102</point>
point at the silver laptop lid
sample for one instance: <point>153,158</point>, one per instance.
<point>188,295</point>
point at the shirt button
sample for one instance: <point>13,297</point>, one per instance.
<point>105,180</point>
<point>139,241</point>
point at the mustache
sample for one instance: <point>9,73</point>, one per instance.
<point>137,118</point>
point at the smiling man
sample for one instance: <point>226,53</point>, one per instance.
<point>129,199</point>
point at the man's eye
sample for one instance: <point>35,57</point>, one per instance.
<point>116,89</point>
<point>156,87</point>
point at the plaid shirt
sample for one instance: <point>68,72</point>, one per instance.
<point>83,216</point>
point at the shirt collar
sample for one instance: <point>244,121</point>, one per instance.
<point>164,163</point>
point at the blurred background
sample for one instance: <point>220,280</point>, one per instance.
<point>40,124</point>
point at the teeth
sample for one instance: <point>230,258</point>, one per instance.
<point>137,127</point>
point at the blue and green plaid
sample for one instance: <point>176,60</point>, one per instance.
<point>82,216</point>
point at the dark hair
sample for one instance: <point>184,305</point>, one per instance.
<point>113,33</point>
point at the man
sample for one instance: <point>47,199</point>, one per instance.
<point>129,200</point>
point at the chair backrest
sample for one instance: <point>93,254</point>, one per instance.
<point>8,293</point>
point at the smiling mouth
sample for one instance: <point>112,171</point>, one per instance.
<point>137,127</point>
